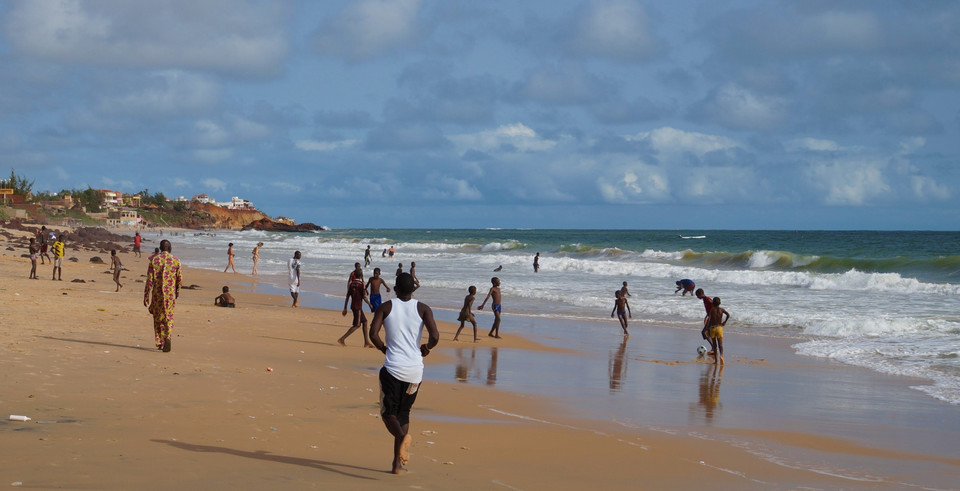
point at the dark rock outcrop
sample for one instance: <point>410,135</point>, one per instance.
<point>269,225</point>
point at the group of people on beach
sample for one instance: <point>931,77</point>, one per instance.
<point>38,249</point>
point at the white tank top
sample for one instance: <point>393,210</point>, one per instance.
<point>403,329</point>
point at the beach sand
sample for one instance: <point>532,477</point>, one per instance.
<point>262,397</point>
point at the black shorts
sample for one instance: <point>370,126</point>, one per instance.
<point>394,399</point>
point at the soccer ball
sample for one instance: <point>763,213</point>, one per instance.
<point>702,350</point>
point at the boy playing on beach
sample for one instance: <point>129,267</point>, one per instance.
<point>225,299</point>
<point>413,272</point>
<point>373,285</point>
<point>467,315</point>
<point>117,268</point>
<point>686,285</point>
<point>403,320</point>
<point>717,321</point>
<point>707,306</point>
<point>58,259</point>
<point>622,308</point>
<point>33,258</point>
<point>356,296</point>
<point>624,291</point>
<point>399,269</point>
<point>136,244</point>
<point>496,307</point>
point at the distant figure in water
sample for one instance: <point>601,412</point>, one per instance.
<point>391,251</point>
<point>536,263</point>
<point>499,268</point>
<point>256,256</point>
<point>624,291</point>
<point>685,285</point>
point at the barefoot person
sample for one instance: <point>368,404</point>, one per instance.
<point>402,320</point>
<point>293,267</point>
<point>466,315</point>
<point>366,257</point>
<point>495,306</point>
<point>373,286</point>
<point>137,239</point>
<point>717,320</point>
<point>256,256</point>
<point>160,293</point>
<point>356,297</point>
<point>707,306</point>
<point>58,249</point>
<point>230,255</point>
<point>34,249</point>
<point>686,285</point>
<point>622,307</point>
<point>117,268</point>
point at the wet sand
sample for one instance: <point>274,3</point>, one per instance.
<point>111,412</point>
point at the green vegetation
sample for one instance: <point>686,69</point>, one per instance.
<point>89,199</point>
<point>20,185</point>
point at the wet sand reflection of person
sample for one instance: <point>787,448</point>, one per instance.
<point>466,368</point>
<point>709,401</point>
<point>618,366</point>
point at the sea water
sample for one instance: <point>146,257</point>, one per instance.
<point>888,301</point>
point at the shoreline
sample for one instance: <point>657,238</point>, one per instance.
<point>189,408</point>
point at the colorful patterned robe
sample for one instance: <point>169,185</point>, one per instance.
<point>162,289</point>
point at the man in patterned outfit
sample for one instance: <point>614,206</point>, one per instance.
<point>160,293</point>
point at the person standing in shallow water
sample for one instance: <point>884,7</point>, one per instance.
<point>256,256</point>
<point>536,263</point>
<point>402,320</point>
<point>293,268</point>
<point>160,293</point>
<point>495,306</point>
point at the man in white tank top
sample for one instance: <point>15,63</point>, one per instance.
<point>403,320</point>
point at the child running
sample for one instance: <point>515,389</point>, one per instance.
<point>467,315</point>
<point>356,297</point>
<point>622,309</point>
<point>717,321</point>
<point>373,285</point>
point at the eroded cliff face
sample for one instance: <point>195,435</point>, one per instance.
<point>223,218</point>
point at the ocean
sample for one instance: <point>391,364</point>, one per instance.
<point>887,301</point>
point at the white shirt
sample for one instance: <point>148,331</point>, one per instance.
<point>403,328</point>
<point>294,266</point>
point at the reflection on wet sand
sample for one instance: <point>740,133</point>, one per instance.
<point>467,368</point>
<point>709,401</point>
<point>618,366</point>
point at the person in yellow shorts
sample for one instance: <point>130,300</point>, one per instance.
<point>716,321</point>
<point>58,249</point>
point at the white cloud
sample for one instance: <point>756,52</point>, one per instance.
<point>812,144</point>
<point>737,107</point>
<point>848,182</point>
<point>615,29</point>
<point>516,135</point>
<point>640,183</point>
<point>223,35</point>
<point>368,28</point>
<point>180,183</point>
<point>214,184</point>
<point>671,142</point>
<point>449,187</point>
<point>165,93</point>
<point>324,146</point>
<point>926,189</point>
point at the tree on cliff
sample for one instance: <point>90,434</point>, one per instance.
<point>89,199</point>
<point>20,185</point>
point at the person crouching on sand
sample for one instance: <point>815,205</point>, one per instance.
<point>402,320</point>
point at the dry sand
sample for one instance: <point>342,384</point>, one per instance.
<point>262,397</point>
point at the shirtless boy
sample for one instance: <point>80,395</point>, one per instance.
<point>624,291</point>
<point>34,249</point>
<point>622,309</point>
<point>717,320</point>
<point>373,286</point>
<point>117,268</point>
<point>225,299</point>
<point>356,297</point>
<point>413,272</point>
<point>495,307</point>
<point>467,315</point>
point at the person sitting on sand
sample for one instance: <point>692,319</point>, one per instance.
<point>467,315</point>
<point>685,285</point>
<point>225,299</point>
<point>717,321</point>
<point>402,320</point>
<point>495,307</point>
<point>356,297</point>
<point>117,267</point>
<point>622,307</point>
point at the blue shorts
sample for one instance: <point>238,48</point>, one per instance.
<point>496,307</point>
<point>622,313</point>
<point>375,301</point>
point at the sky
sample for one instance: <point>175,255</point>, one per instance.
<point>463,114</point>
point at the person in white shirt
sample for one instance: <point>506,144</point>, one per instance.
<point>293,265</point>
<point>402,320</point>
